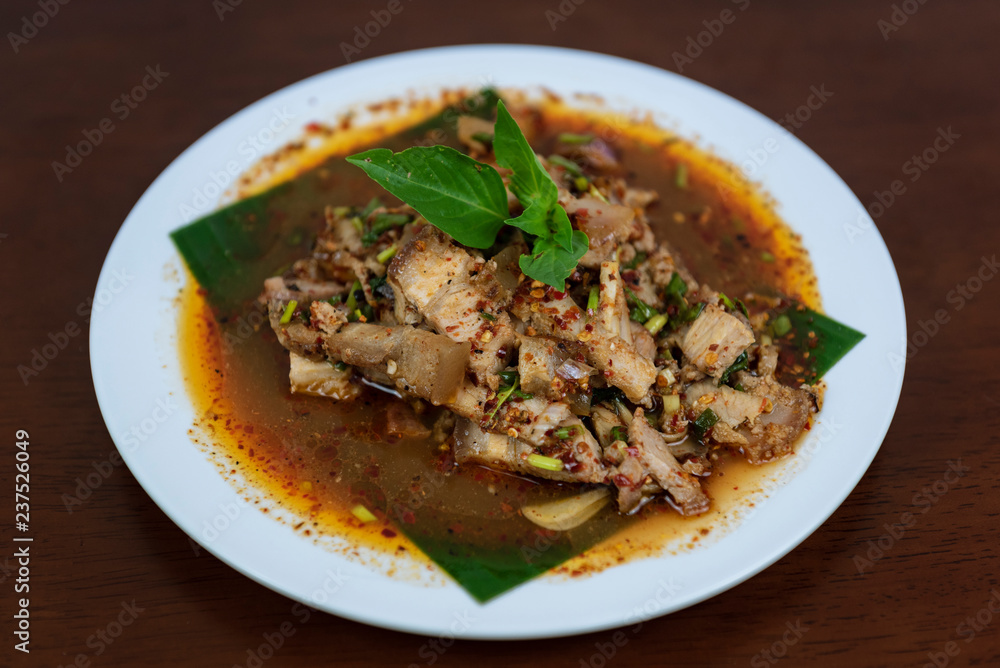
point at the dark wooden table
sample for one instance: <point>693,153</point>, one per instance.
<point>896,80</point>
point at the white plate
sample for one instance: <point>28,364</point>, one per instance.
<point>142,395</point>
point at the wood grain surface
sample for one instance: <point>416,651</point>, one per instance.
<point>895,85</point>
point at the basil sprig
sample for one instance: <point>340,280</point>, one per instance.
<point>467,199</point>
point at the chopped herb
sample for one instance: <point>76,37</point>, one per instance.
<point>619,434</point>
<point>387,254</point>
<point>373,204</point>
<point>505,392</point>
<point>671,403</point>
<point>782,325</point>
<point>681,180</point>
<point>566,432</point>
<point>593,299</point>
<point>692,313</point>
<point>742,362</point>
<point>286,317</point>
<point>640,311</point>
<point>639,258</point>
<point>581,183</point>
<point>727,302</point>
<point>566,164</point>
<point>743,308</point>
<point>573,138</point>
<point>656,323</point>
<point>703,423</point>
<point>336,299</point>
<point>340,366</point>
<point>509,377</point>
<point>597,193</point>
<point>487,316</point>
<point>363,514</point>
<point>546,463</point>
<point>739,387</point>
<point>766,257</point>
<point>352,296</point>
<point>676,288</point>
<point>609,394</point>
<point>358,224</point>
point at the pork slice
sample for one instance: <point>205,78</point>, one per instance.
<point>418,362</point>
<point>647,446</point>
<point>556,314</point>
<point>715,339</point>
<point>473,445</point>
<point>731,406</point>
<point>436,276</point>
<point>775,432</point>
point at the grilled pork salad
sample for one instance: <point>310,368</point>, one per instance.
<point>529,297</point>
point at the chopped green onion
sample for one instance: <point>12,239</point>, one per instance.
<point>682,176</point>
<point>743,308</point>
<point>358,224</point>
<point>581,183</point>
<point>742,362</point>
<point>363,514</point>
<point>566,432</point>
<point>483,137</point>
<point>639,258</point>
<point>727,302</point>
<point>598,194</point>
<point>352,296</point>
<point>704,422</point>
<point>782,325</point>
<point>739,387</point>
<point>340,366</point>
<point>619,434</point>
<point>676,288</point>
<point>692,313</point>
<point>341,211</point>
<point>336,299</point>
<point>573,138</point>
<point>387,254</point>
<point>488,316</point>
<point>566,164</point>
<point>373,204</point>
<point>286,317</point>
<point>546,463</point>
<point>656,323</point>
<point>641,311</point>
<point>671,403</point>
<point>593,299</point>
<point>766,257</point>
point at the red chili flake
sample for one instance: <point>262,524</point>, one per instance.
<point>388,533</point>
<point>555,294</point>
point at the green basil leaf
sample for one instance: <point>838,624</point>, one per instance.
<point>538,221</point>
<point>552,264</point>
<point>455,193</point>
<point>530,182</point>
